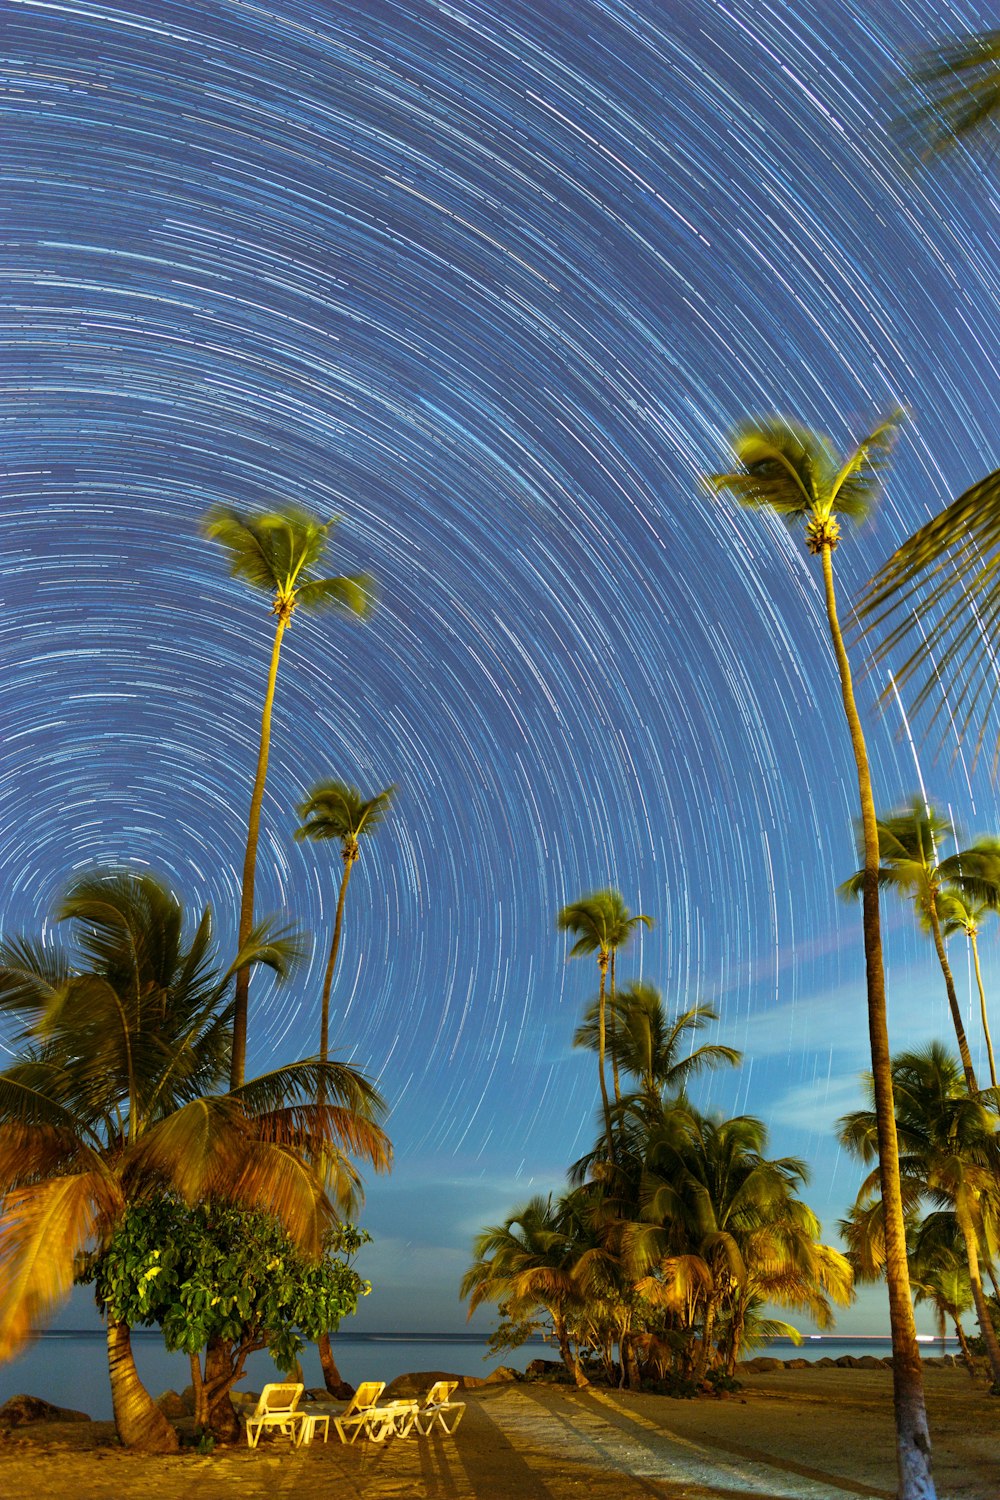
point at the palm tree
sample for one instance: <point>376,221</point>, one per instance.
<point>110,1104</point>
<point>910,864</point>
<point>527,1262</point>
<point>601,924</point>
<point>960,913</point>
<point>950,1153</point>
<point>786,468</point>
<point>951,94</point>
<point>647,1043</point>
<point>278,553</point>
<point>334,810</point>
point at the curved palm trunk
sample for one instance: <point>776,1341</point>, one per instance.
<point>982,1008</point>
<point>913,1444</point>
<point>569,1359</point>
<point>601,1038</point>
<point>241,1001</point>
<point>971,1239</point>
<point>139,1422</point>
<point>953,1006</point>
<point>963,1345</point>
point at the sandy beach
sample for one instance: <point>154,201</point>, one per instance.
<point>788,1435</point>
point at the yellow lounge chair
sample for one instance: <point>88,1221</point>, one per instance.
<point>275,1409</point>
<point>439,1407</point>
<point>362,1415</point>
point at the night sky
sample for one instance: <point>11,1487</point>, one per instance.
<point>492,282</point>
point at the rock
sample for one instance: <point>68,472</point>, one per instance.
<point>418,1383</point>
<point>826,1363</point>
<point>173,1406</point>
<point>869,1362</point>
<point>546,1369</point>
<point>502,1375</point>
<point>797,1364</point>
<point>763,1365</point>
<point>20,1410</point>
<point>846,1362</point>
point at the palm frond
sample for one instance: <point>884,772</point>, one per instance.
<point>938,597</point>
<point>353,595</point>
<point>42,1229</point>
<point>951,95</point>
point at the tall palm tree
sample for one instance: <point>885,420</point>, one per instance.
<point>601,924</point>
<point>961,913</point>
<point>527,1262</point>
<point>124,1036</point>
<point>911,865</point>
<point>277,552</point>
<point>949,1153</point>
<point>785,468</point>
<point>647,1043</point>
<point>334,810</point>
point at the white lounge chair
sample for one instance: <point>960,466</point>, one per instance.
<point>438,1407</point>
<point>275,1410</point>
<point>361,1415</point>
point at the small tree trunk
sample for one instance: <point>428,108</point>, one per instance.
<point>913,1443</point>
<point>200,1401</point>
<point>219,1380</point>
<point>332,1378</point>
<point>705,1349</point>
<point>139,1422</point>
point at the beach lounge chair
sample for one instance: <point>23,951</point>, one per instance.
<point>438,1407</point>
<point>275,1409</point>
<point>361,1415</point>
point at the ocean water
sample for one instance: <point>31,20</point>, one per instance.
<point>70,1368</point>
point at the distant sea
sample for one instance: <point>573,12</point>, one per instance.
<point>70,1368</point>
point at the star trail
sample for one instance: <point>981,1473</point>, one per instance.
<point>491,282</point>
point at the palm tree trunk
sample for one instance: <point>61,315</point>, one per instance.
<point>603,966</point>
<point>139,1422</point>
<point>982,1008</point>
<point>949,984</point>
<point>241,1000</point>
<point>569,1359</point>
<point>963,1344</point>
<point>615,1076</point>
<point>913,1444</point>
<point>986,1328</point>
<point>331,964</point>
<point>705,1348</point>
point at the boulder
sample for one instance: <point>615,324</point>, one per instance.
<point>20,1410</point>
<point>546,1369</point>
<point>869,1362</point>
<point>826,1363</point>
<point>763,1365</point>
<point>503,1375</point>
<point>846,1362</point>
<point>420,1382</point>
<point>173,1406</point>
<point>797,1364</point>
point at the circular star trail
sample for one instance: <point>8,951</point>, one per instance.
<point>491,282</point>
